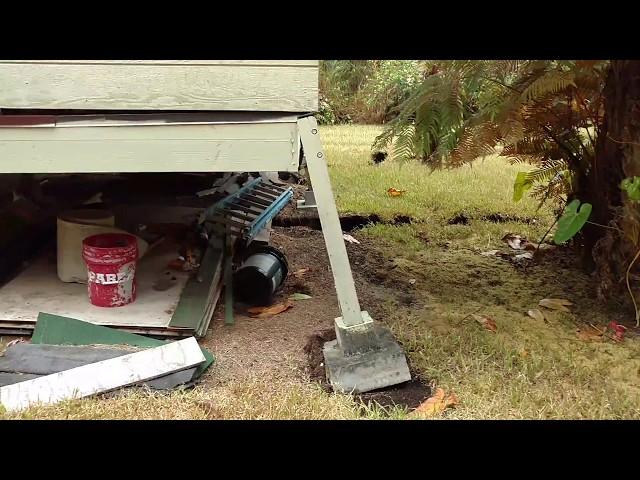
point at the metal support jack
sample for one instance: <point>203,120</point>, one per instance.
<point>365,356</point>
<point>309,200</point>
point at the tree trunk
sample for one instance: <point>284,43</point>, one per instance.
<point>617,156</point>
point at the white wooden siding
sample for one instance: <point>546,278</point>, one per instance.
<point>212,85</point>
<point>170,147</point>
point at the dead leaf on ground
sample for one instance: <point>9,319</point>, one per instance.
<point>487,322</point>
<point>263,312</point>
<point>435,404</point>
<point>299,296</point>
<point>301,272</point>
<point>177,264</point>
<point>537,314</point>
<point>349,238</point>
<point>518,242</point>
<point>619,330</point>
<point>489,253</point>
<point>524,353</point>
<point>555,304</point>
<point>589,334</point>
<point>395,192</point>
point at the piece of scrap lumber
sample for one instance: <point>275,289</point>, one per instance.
<point>103,376</point>
<point>38,360</point>
<point>57,330</point>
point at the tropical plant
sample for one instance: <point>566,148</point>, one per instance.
<point>366,91</point>
<point>575,121</point>
<point>543,113</point>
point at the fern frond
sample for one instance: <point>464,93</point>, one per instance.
<point>549,170</point>
<point>476,141</point>
<point>517,158</point>
<point>551,82</point>
<point>385,139</point>
<point>512,130</point>
<point>403,148</point>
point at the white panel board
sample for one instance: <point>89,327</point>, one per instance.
<point>103,376</point>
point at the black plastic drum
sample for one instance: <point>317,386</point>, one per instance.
<point>260,276</point>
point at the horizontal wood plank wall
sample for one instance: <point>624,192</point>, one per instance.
<point>242,85</point>
<point>164,148</point>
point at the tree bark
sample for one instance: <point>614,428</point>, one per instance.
<point>617,156</point>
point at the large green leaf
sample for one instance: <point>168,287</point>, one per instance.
<point>521,185</point>
<point>572,221</point>
<point>632,187</point>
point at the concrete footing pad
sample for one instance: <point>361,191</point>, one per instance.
<point>364,358</point>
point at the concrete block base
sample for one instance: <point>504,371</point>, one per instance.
<point>358,338</point>
<point>375,366</point>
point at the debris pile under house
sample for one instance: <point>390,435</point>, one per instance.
<point>186,225</point>
<point>131,192</point>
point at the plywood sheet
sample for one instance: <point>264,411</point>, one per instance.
<point>38,289</point>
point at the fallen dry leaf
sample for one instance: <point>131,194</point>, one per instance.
<point>263,312</point>
<point>555,304</point>
<point>300,273</point>
<point>489,253</point>
<point>537,314</point>
<point>394,192</point>
<point>589,334</point>
<point>518,242</point>
<point>619,330</point>
<point>177,264</point>
<point>523,353</point>
<point>299,296</point>
<point>435,404</point>
<point>487,322</point>
<point>349,238</point>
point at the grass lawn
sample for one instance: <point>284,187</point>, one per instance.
<point>527,369</point>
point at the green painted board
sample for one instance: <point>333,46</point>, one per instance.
<point>56,330</point>
<point>194,301</point>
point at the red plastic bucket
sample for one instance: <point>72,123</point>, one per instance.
<point>111,266</point>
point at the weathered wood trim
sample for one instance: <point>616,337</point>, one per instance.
<point>150,148</point>
<point>211,85</point>
<point>269,63</point>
